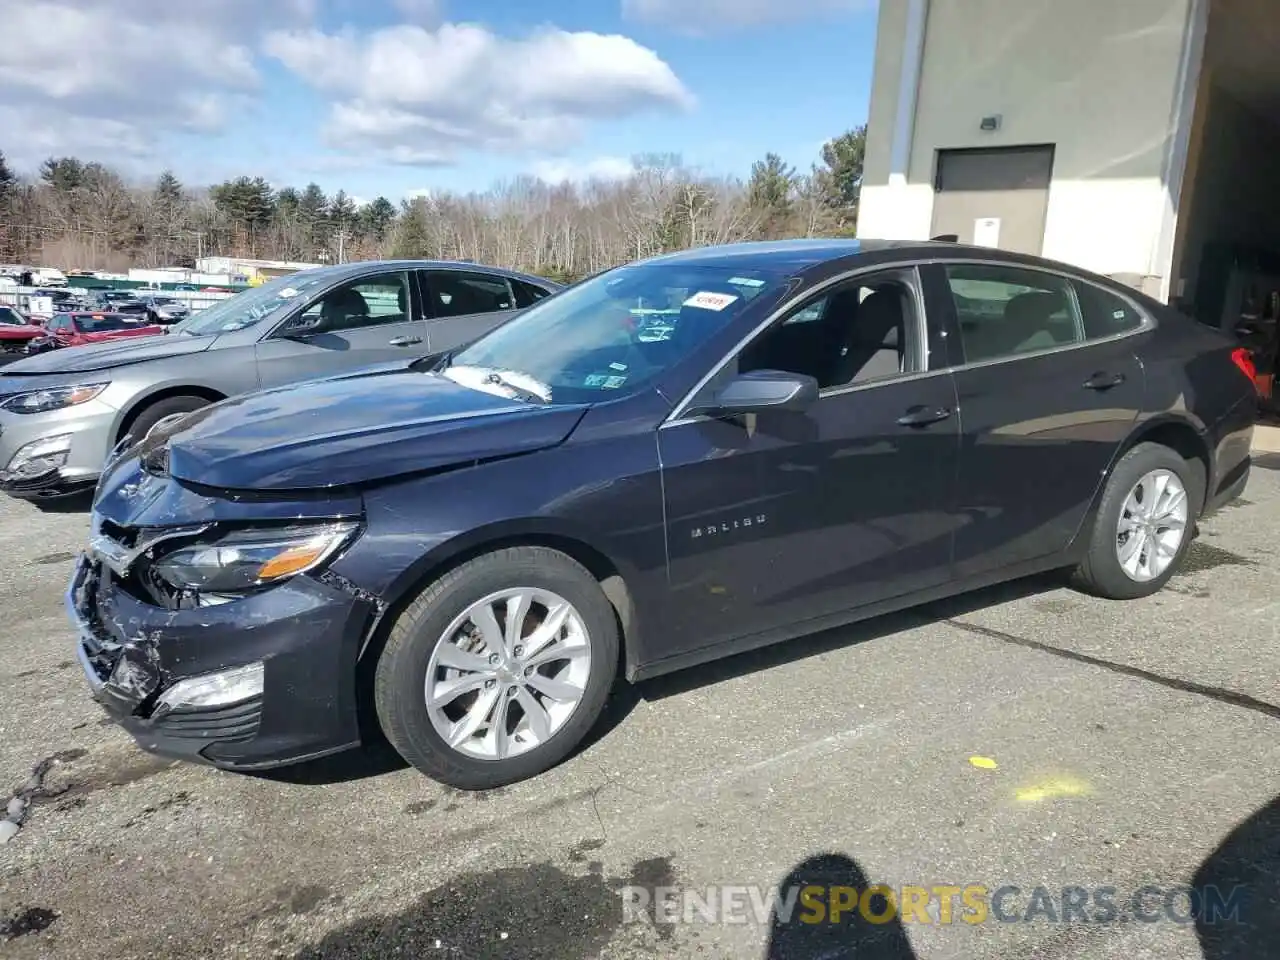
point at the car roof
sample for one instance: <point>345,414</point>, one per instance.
<point>361,267</point>
<point>799,256</point>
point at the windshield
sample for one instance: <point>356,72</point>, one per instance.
<point>610,335</point>
<point>249,306</point>
<point>10,317</point>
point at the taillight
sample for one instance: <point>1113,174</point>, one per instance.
<point>1242,359</point>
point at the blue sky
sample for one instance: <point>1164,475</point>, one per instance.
<point>395,96</point>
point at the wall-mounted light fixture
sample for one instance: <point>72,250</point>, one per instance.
<point>990,123</point>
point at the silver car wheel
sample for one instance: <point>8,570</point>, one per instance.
<point>508,673</point>
<point>1153,523</point>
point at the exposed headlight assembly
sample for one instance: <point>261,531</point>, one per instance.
<point>246,560</point>
<point>52,398</point>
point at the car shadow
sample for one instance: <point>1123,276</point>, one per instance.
<point>627,696</point>
<point>377,757</point>
<point>1237,891</point>
<point>73,503</point>
<point>374,758</point>
<point>810,930</point>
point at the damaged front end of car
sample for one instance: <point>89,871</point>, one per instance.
<point>208,626</point>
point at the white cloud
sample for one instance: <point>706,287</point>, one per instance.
<point>710,16</point>
<point>102,77</point>
<point>424,97</point>
<point>599,168</point>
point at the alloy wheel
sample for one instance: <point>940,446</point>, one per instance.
<point>1153,523</point>
<point>508,673</point>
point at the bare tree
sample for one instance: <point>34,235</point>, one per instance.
<point>83,214</point>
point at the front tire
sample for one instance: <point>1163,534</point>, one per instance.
<point>149,416</point>
<point>495,672</point>
<point>1144,524</point>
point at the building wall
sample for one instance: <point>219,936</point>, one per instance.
<point>1096,78</point>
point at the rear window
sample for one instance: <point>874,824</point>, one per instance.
<point>1106,314</point>
<point>527,294</point>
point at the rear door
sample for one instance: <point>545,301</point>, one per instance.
<point>367,320</point>
<point>463,305</point>
<point>1048,385</point>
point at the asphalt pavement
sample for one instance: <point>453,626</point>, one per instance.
<point>1024,737</point>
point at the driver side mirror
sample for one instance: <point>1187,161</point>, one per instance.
<point>761,390</point>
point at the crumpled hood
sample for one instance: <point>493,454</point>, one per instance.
<point>110,353</point>
<point>349,430</point>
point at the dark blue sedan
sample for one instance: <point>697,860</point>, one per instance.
<point>467,552</point>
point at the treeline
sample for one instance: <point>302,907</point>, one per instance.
<point>77,214</point>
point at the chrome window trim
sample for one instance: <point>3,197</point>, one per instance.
<point>677,416</point>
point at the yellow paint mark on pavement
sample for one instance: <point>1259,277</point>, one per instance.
<point>983,763</point>
<point>1053,788</point>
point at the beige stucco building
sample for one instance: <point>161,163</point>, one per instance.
<point>1136,138</point>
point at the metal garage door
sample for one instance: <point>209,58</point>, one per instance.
<point>994,197</point>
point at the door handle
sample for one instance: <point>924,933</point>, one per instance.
<point>404,341</point>
<point>1104,381</point>
<point>923,416</point>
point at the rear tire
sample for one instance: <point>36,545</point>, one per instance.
<point>149,416</point>
<point>496,712</point>
<point>1144,525</point>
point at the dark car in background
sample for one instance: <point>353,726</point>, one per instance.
<point>473,550</point>
<point>107,298</point>
<point>63,412</point>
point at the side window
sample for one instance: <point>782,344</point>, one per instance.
<point>455,293</point>
<point>527,294</point>
<point>367,302</point>
<point>860,332</point>
<point>1105,314</point>
<point>808,314</point>
<point>1005,311</point>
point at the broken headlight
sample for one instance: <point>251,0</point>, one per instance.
<point>248,559</point>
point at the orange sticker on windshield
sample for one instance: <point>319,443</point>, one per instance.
<point>710,301</point>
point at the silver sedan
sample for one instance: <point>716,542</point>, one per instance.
<point>63,412</point>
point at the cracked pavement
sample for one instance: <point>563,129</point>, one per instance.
<point>1129,740</point>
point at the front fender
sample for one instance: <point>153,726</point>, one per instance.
<point>602,501</point>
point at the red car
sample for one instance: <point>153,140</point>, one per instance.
<point>16,331</point>
<point>75,329</point>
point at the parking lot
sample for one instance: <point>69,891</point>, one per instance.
<point>1023,736</point>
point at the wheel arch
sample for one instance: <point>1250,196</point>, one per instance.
<point>141,403</point>
<point>1182,437</point>
<point>1180,434</point>
<point>519,533</point>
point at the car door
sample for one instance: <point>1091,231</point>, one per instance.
<point>1049,385</point>
<point>365,320</point>
<point>463,305</point>
<point>776,519</point>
